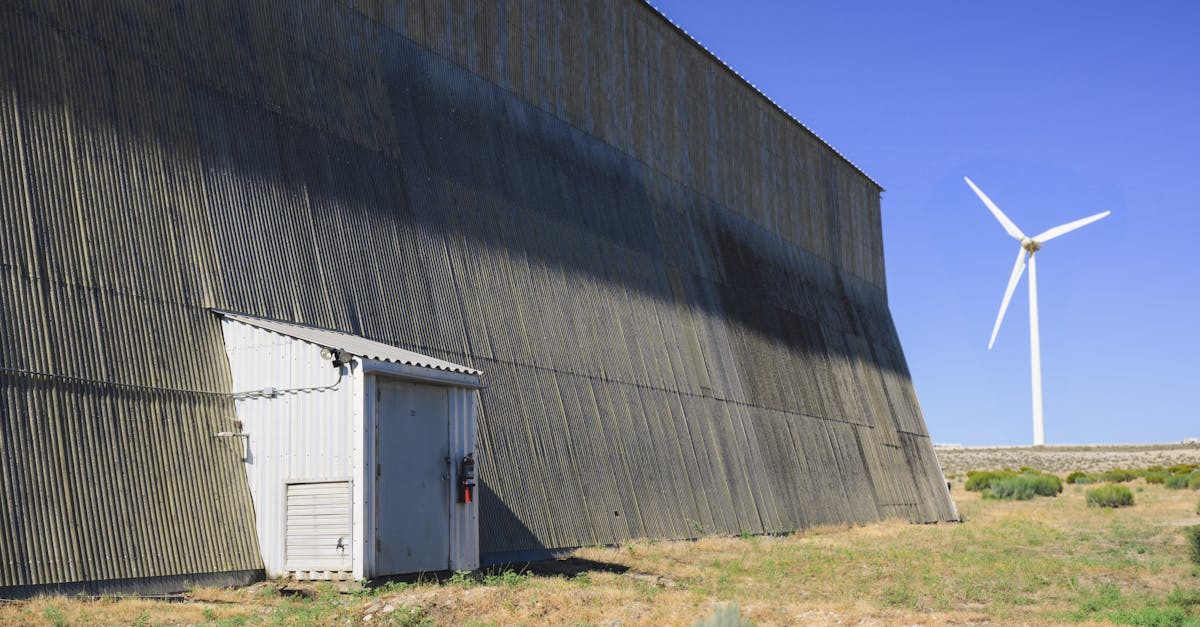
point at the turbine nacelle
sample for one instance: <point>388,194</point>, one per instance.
<point>1029,246</point>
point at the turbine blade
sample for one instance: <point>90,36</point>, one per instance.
<point>1017,271</point>
<point>1063,229</point>
<point>1004,221</point>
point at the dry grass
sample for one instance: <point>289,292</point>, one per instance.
<point>201,608</point>
<point>1045,560</point>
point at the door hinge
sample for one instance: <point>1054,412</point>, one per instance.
<point>378,470</point>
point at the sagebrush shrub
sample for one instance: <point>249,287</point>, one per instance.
<point>1156,476</point>
<point>1015,488</point>
<point>1047,484</point>
<point>1110,495</point>
<point>1117,475</point>
<point>1022,486</point>
<point>979,480</point>
<point>1176,482</point>
<point>1076,476</point>
<point>1194,482</point>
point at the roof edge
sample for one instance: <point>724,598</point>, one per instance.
<point>357,345</point>
<point>422,374</point>
<point>679,29</point>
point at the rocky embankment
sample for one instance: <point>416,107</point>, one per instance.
<point>1061,460</point>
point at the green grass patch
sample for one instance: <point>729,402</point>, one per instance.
<point>508,578</point>
<point>1166,616</point>
<point>1193,536</point>
<point>408,617</point>
<point>55,616</point>
<point>1185,598</point>
<point>1178,609</point>
<point>1110,495</point>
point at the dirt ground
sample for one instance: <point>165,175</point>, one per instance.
<point>1062,460</point>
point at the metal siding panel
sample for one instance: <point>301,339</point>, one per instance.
<point>464,517</point>
<point>292,436</point>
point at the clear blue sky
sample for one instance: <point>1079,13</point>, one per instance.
<point>1057,110</point>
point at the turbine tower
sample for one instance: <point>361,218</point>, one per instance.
<point>1029,248</point>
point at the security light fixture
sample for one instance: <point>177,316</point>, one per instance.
<point>337,356</point>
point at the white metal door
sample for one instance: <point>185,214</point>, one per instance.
<point>318,528</point>
<point>412,485</point>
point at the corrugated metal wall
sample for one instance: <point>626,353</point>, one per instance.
<point>677,293</point>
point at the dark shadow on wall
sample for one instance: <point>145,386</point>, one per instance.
<point>398,140</point>
<point>159,585</point>
<point>500,530</point>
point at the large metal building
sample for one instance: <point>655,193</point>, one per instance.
<point>675,291</point>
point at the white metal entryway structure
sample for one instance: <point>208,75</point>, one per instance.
<point>354,451</point>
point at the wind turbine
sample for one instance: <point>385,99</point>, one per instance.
<point>1029,247</point>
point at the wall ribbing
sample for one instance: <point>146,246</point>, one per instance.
<point>676,293</point>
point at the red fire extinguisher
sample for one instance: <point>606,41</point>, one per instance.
<point>466,478</point>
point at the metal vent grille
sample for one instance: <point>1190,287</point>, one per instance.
<point>318,530</point>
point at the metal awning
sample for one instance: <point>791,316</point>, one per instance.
<point>354,344</point>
